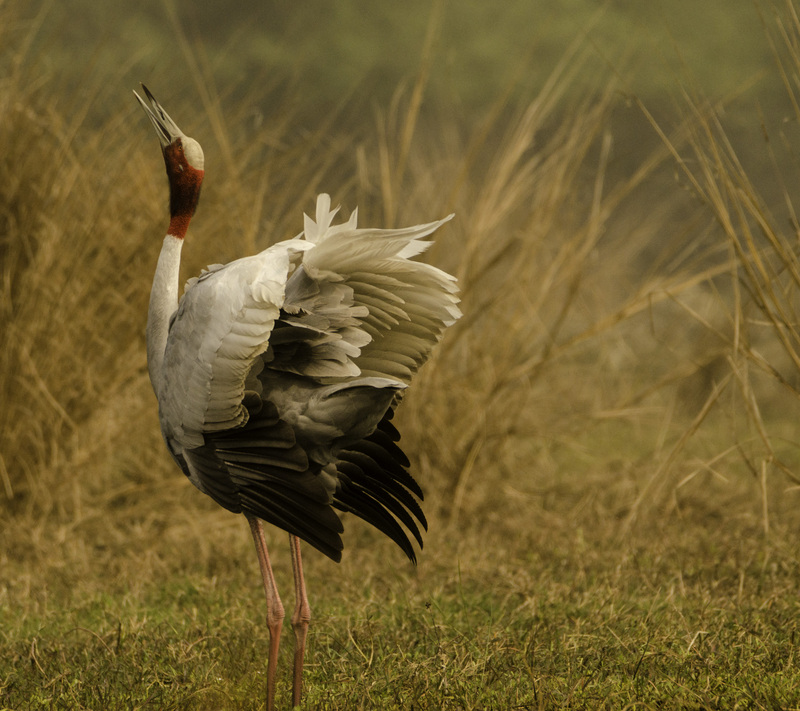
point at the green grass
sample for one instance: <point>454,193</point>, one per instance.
<point>607,440</point>
<point>682,617</point>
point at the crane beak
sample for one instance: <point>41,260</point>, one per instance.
<point>166,129</point>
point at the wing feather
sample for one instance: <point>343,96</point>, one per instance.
<point>410,303</point>
<point>281,370</point>
<point>222,326</point>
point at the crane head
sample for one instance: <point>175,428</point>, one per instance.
<point>173,140</point>
<point>184,160</point>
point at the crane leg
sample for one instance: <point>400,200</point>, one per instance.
<point>275,612</point>
<point>300,619</point>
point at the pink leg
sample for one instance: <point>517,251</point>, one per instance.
<point>275,611</point>
<point>300,619</point>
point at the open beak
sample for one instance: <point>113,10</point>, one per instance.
<point>166,128</point>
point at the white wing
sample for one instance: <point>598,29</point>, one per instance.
<point>409,304</point>
<point>222,326</point>
<point>280,372</point>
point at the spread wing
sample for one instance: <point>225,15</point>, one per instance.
<point>281,371</point>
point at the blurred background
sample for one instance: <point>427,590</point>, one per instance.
<point>328,50</point>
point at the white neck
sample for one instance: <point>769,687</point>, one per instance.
<point>163,303</point>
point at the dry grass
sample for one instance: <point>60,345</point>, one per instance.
<point>530,248</point>
<point>603,439</point>
<point>761,295</point>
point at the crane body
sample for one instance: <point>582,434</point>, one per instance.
<point>277,375</point>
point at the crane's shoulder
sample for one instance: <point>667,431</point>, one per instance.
<point>222,325</point>
<point>272,265</point>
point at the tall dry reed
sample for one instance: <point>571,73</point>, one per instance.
<point>562,281</point>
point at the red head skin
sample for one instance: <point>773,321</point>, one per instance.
<point>184,188</point>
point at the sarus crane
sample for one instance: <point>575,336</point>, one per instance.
<point>277,376</point>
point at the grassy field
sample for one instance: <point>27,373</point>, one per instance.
<point>607,440</point>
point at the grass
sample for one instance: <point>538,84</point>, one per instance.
<point>607,439</point>
<point>680,619</point>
